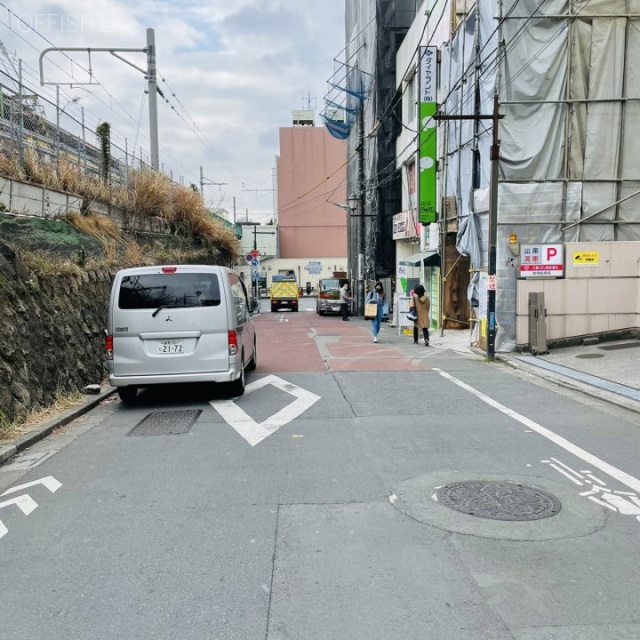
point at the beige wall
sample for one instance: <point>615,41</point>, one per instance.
<point>590,299</point>
<point>311,227</point>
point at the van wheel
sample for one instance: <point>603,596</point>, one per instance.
<point>236,388</point>
<point>128,394</point>
<point>253,363</point>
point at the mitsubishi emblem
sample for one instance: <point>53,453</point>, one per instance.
<point>168,319</point>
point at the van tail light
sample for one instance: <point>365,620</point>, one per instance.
<point>169,269</point>
<point>233,343</point>
<point>109,347</point>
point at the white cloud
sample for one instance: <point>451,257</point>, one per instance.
<point>237,67</point>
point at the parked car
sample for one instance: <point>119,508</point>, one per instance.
<point>185,323</point>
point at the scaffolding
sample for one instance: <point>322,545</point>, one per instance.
<point>566,76</point>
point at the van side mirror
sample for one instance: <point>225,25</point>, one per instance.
<point>255,305</point>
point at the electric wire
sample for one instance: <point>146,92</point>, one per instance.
<point>127,115</point>
<point>500,56</point>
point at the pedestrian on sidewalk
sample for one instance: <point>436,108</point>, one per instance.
<point>377,296</point>
<point>421,303</point>
<point>345,300</point>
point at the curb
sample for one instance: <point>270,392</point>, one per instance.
<point>574,385</point>
<point>31,437</point>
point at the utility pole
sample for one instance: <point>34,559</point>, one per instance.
<point>495,117</point>
<point>493,235</point>
<point>361,226</point>
<point>272,190</point>
<point>21,116</point>
<point>149,74</point>
<point>254,270</point>
<point>206,181</point>
<point>57,123</point>
<point>153,98</point>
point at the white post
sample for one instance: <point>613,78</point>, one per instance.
<point>57,122</point>
<point>21,117</point>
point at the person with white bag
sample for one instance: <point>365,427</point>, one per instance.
<point>375,297</point>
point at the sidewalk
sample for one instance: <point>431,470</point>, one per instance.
<point>609,371</point>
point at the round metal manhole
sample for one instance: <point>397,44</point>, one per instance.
<point>586,356</point>
<point>499,500</point>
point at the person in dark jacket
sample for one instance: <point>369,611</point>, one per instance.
<point>421,303</point>
<point>345,300</point>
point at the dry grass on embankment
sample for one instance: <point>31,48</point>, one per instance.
<point>148,195</point>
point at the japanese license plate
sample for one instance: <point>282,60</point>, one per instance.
<point>171,346</point>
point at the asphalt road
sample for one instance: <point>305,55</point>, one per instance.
<point>305,509</point>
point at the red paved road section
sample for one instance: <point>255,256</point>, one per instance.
<point>305,342</point>
<point>286,344</point>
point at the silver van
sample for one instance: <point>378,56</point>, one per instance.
<point>170,324</point>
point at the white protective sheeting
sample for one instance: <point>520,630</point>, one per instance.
<point>534,70</point>
<point>605,81</point>
<point>631,123</point>
<point>628,211</point>
<point>569,86</point>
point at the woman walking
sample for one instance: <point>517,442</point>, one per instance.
<point>421,303</point>
<point>377,297</point>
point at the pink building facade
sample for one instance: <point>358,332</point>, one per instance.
<point>310,176</point>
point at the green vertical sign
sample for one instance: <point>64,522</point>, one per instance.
<point>428,148</point>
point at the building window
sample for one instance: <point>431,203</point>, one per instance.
<point>410,99</point>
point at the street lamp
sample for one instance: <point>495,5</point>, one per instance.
<point>353,200</point>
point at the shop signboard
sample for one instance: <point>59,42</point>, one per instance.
<point>427,147</point>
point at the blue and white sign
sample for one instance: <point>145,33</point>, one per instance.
<point>255,262</point>
<point>314,267</point>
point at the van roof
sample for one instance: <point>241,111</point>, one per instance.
<point>182,268</point>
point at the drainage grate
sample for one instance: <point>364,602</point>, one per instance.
<point>162,423</point>
<point>499,500</point>
<point>625,345</point>
<point>589,356</point>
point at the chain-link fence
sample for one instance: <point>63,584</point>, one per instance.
<point>33,126</point>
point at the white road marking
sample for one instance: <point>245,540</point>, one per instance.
<point>49,482</point>
<point>25,503</point>
<point>254,432</point>
<point>585,456</point>
<point>564,473</point>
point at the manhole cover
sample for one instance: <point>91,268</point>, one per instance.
<point>499,500</point>
<point>586,356</point>
<point>160,423</point>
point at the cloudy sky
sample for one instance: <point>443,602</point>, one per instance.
<point>232,71</point>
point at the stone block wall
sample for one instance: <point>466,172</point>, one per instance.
<point>51,334</point>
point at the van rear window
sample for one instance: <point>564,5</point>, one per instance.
<point>150,291</point>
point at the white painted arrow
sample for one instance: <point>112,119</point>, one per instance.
<point>25,503</point>
<point>49,482</point>
<point>254,432</point>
